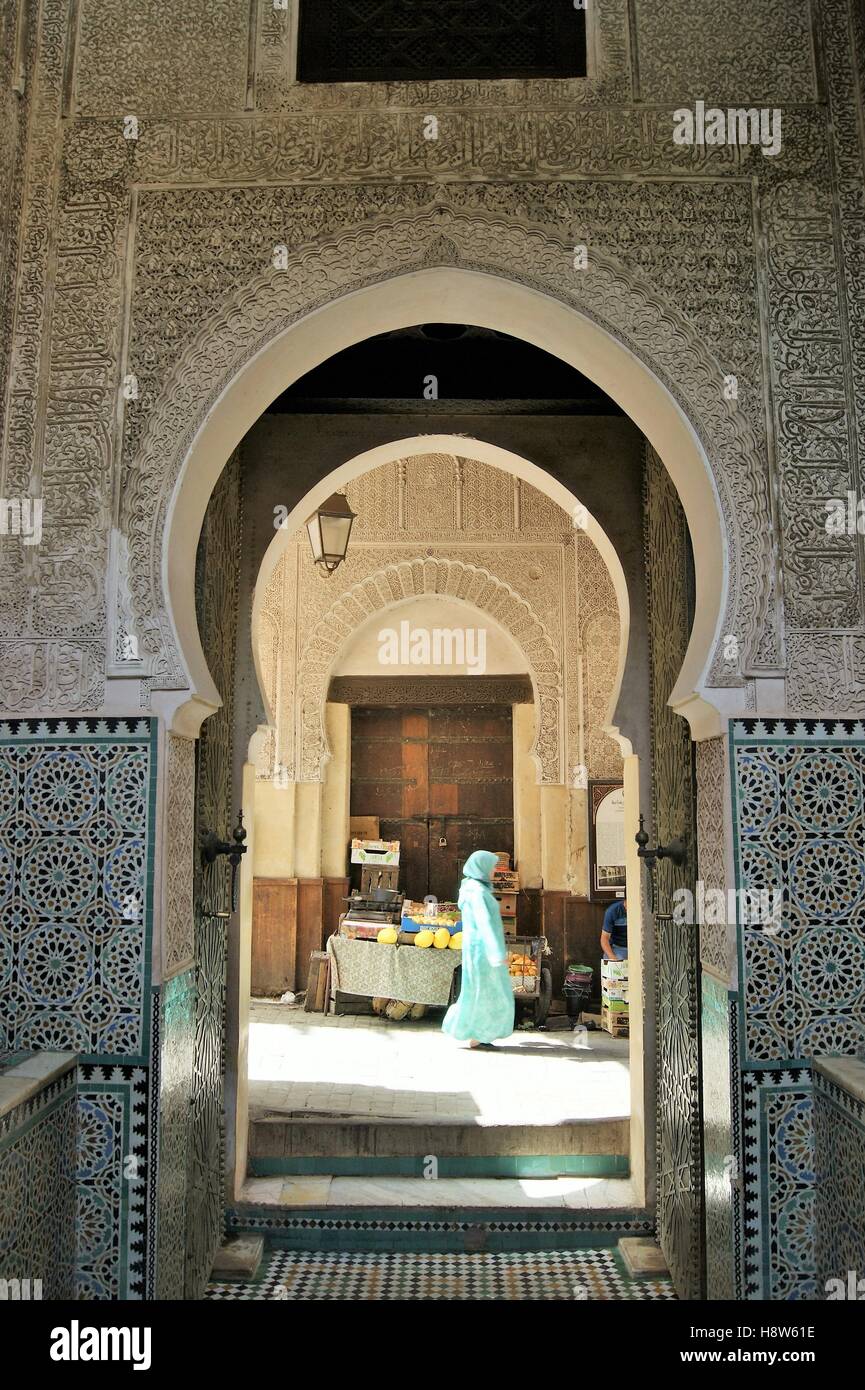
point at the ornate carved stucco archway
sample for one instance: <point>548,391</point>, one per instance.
<point>501,274</point>
<point>414,578</point>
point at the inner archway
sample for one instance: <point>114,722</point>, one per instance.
<point>400,523</point>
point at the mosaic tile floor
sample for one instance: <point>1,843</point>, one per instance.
<point>568,1275</point>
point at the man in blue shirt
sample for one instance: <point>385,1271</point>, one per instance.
<point>614,933</point>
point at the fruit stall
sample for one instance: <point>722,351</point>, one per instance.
<point>405,956</point>
<point>402,955</point>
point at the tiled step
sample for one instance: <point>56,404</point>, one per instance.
<point>450,1215</point>
<point>592,1148</point>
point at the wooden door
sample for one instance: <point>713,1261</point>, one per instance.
<point>677,948</point>
<point>433,775</point>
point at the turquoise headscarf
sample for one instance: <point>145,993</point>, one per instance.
<point>480,865</point>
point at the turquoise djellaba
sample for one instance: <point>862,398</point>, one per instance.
<point>485,1008</point>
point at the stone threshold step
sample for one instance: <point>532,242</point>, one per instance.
<point>345,1119</point>
<point>270,1139</point>
<point>443,1166</point>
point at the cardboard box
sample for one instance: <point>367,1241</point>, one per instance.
<point>364,827</point>
<point>374,851</point>
<point>617,1024</point>
<point>614,970</point>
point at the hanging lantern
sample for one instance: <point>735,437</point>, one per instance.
<point>329,529</point>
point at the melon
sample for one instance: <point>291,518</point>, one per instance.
<point>456,941</point>
<point>442,938</point>
<point>424,938</point>
<point>388,936</point>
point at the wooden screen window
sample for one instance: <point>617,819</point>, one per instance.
<point>420,40</point>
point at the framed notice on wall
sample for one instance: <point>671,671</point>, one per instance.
<point>606,839</point>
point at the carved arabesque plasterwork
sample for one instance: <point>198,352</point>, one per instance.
<point>621,302</point>
<point>715,948</point>
<point>718,56</point>
<point>75,201</point>
<point>179,844</point>
<point>414,576</point>
<point>600,631</point>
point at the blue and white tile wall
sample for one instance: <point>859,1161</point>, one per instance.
<point>839,1129</point>
<point>798,815</point>
<point>77,804</point>
<point>38,1191</point>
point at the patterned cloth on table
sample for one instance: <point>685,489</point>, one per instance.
<point>410,973</point>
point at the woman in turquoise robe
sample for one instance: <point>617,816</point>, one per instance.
<point>485,1008</point>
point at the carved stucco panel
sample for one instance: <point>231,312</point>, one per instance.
<point>446,576</point>
<point>599,644</point>
<point>714,54</point>
<point>623,303</point>
<point>157,61</point>
<point>715,947</point>
<point>178,921</point>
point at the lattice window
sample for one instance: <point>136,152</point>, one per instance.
<point>417,40</point>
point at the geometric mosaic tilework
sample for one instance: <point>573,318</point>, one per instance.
<point>37,1189</point>
<point>737,1149</point>
<point>778,1185</point>
<point>113,1157</point>
<point>76,873</point>
<point>799,800</point>
<point>798,806</point>
<point>568,1275</point>
<point>839,1130</point>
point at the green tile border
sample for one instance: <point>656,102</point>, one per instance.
<point>438,1230</point>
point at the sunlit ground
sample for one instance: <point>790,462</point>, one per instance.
<point>369,1068</point>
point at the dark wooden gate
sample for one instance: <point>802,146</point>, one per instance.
<point>676,948</point>
<point>440,779</point>
<point>217,571</point>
